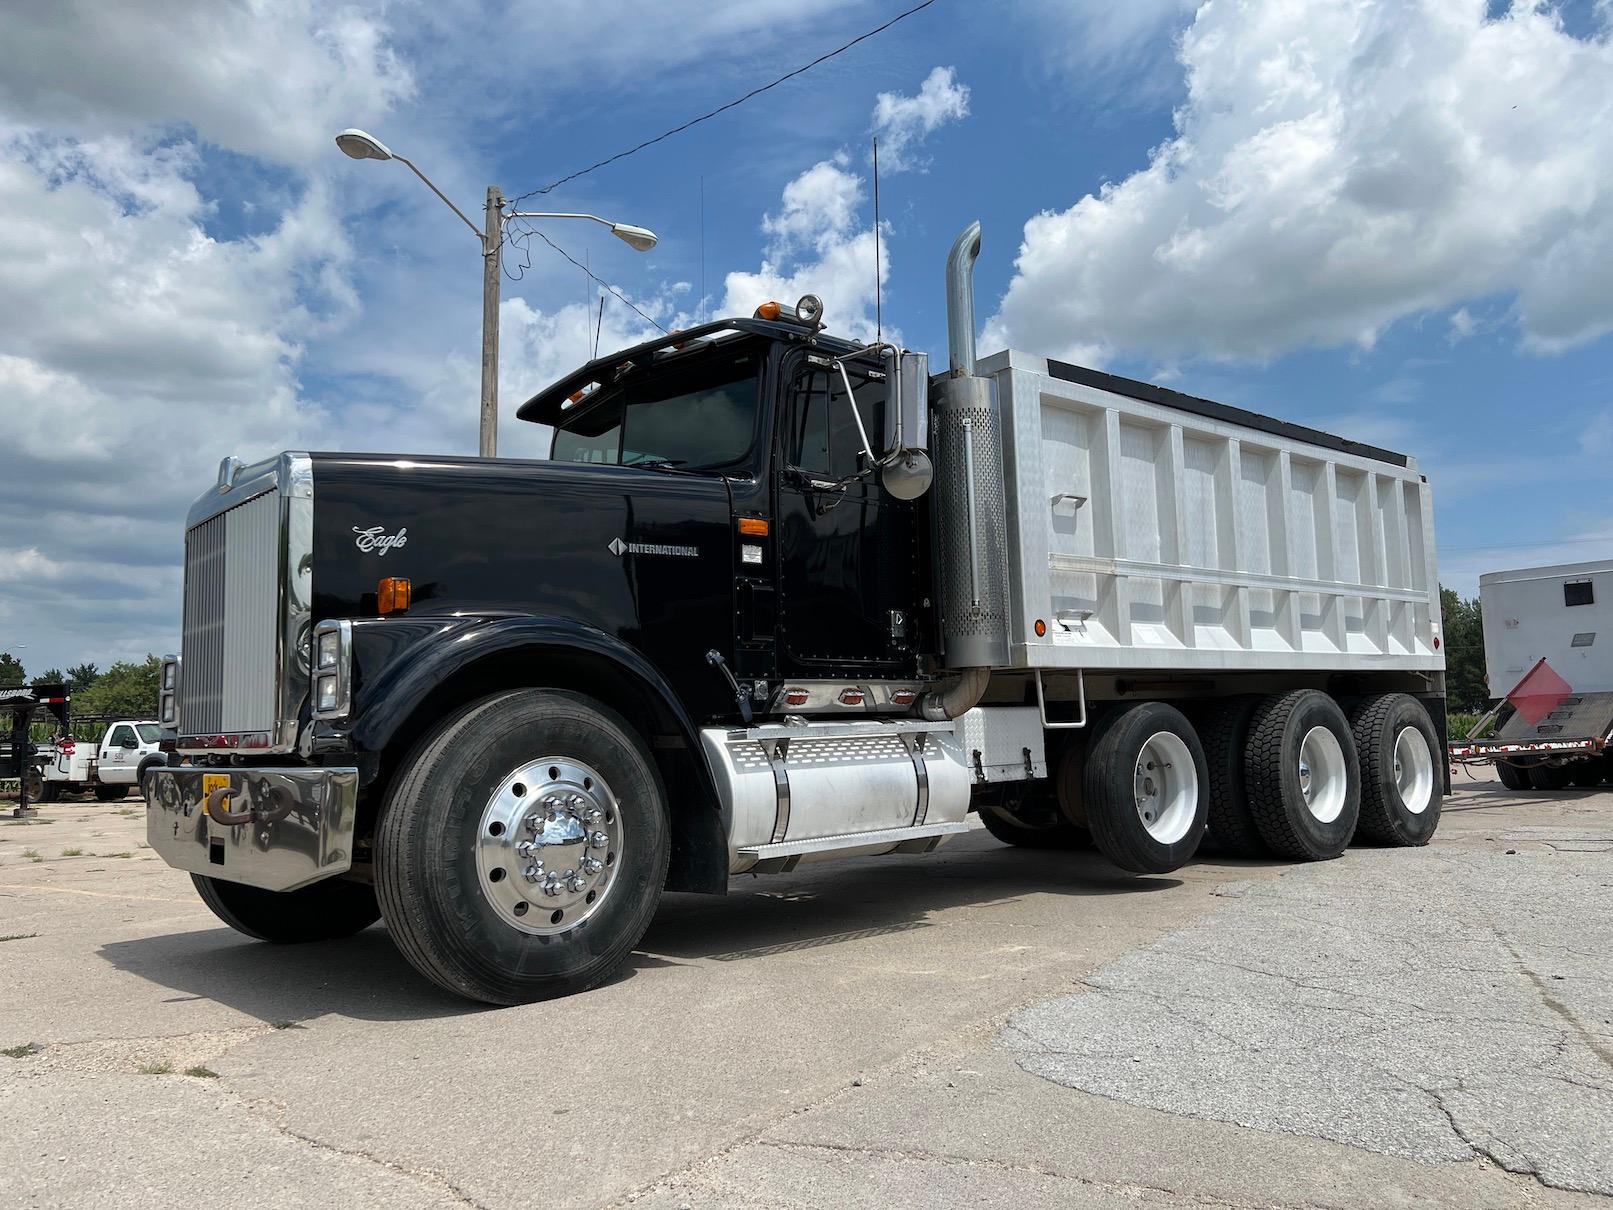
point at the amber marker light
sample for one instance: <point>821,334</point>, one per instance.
<point>1041,628</point>
<point>753,527</point>
<point>392,595</point>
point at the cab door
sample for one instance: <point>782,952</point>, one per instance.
<point>847,550</point>
<point>119,755</point>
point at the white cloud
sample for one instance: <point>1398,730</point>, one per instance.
<point>1463,324</point>
<point>902,122</point>
<point>271,79</point>
<point>1338,165</point>
<point>1120,50</point>
<point>819,246</point>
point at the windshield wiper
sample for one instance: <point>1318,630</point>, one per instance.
<point>656,462</point>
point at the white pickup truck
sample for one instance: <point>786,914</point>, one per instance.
<point>110,768</point>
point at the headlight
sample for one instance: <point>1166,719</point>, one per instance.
<point>333,669</point>
<point>330,645</point>
<point>329,692</point>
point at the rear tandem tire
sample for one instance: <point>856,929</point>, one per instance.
<point>1548,777</point>
<point>1587,774</point>
<point>1144,789</point>
<point>1223,728</point>
<point>1402,782</point>
<point>1513,777</point>
<point>323,911</point>
<point>1303,775</point>
<point>481,805</point>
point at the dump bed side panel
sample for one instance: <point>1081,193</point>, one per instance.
<point>1148,536</point>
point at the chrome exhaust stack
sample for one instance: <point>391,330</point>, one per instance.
<point>970,503</point>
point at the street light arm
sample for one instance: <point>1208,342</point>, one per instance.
<point>593,218</point>
<point>475,230</point>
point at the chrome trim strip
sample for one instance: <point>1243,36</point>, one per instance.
<point>777,750</point>
<point>913,741</point>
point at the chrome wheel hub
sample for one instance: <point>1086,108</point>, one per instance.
<point>548,844</point>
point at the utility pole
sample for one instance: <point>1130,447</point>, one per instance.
<point>357,145</point>
<point>492,267</point>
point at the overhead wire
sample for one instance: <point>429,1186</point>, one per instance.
<point>520,239</point>
<point>721,109</point>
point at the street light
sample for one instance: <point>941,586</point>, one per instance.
<point>358,145</point>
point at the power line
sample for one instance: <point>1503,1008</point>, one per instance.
<point>705,117</point>
<point>527,231</point>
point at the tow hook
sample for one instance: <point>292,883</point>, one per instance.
<point>216,810</point>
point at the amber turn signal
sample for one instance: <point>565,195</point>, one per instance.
<point>392,595</point>
<point>753,527</point>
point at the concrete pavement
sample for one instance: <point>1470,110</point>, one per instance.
<point>984,1025</point>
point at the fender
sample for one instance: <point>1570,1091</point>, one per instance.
<point>398,663</point>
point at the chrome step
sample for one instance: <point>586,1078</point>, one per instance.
<point>928,834</point>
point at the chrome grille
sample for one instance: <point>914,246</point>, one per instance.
<point>230,639</point>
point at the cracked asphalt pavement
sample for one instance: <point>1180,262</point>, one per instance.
<point>987,1026</point>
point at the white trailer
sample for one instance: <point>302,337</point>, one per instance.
<point>1558,618</point>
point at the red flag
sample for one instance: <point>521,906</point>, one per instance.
<point>1539,693</point>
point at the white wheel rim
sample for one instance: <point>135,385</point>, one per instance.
<point>1323,775</point>
<point>1167,787</point>
<point>548,845</point>
<point>1414,770</point>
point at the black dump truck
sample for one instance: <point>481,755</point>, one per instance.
<point>778,597</point>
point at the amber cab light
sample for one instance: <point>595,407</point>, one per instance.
<point>768,310</point>
<point>392,595</point>
<point>753,527</point>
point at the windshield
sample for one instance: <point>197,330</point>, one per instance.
<point>149,732</point>
<point>698,415</point>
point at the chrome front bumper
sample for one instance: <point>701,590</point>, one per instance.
<point>296,824</point>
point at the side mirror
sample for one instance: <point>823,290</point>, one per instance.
<point>909,473</point>
<point>130,742</point>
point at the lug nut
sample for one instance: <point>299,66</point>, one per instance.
<point>533,872</point>
<point>592,865</point>
<point>551,885</point>
<point>574,883</point>
<point>598,840</point>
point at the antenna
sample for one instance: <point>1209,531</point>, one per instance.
<point>702,249</point>
<point>599,323</point>
<point>879,282</point>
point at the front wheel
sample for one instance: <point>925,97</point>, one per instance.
<point>322,911</point>
<point>111,793</point>
<point>522,851</point>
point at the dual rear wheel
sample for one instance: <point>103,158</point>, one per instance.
<point>1290,775</point>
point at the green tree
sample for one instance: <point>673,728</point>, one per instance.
<point>51,676</point>
<point>125,690</point>
<point>82,676</point>
<point>1465,685</point>
<point>11,670</point>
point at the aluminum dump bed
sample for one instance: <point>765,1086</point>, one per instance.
<point>1151,530</point>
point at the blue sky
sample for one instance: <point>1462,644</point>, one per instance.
<point>1390,219</point>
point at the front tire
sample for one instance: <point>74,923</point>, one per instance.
<point>1144,789</point>
<point>111,793</point>
<point>1402,789</point>
<point>323,911</point>
<point>523,848</point>
<point>1303,775</point>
